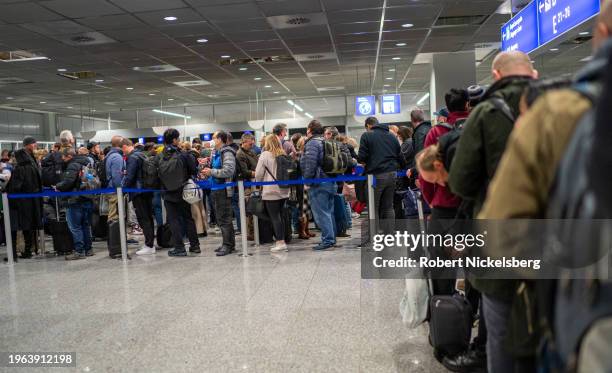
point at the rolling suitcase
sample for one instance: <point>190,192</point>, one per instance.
<point>99,226</point>
<point>114,240</point>
<point>60,233</point>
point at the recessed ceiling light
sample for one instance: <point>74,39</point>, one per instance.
<point>99,80</point>
<point>268,86</point>
<point>584,33</point>
<point>129,88</point>
<point>225,56</point>
<point>554,49</point>
<point>202,40</point>
<point>387,85</point>
<point>400,44</point>
<point>43,102</point>
<point>276,92</point>
<point>170,99</point>
<point>396,58</point>
<point>389,78</point>
<point>151,94</point>
<point>62,70</point>
<point>9,98</point>
<point>170,18</point>
<point>243,69</point>
<point>407,25</point>
<point>93,110</point>
<point>69,107</point>
<point>391,70</point>
<point>258,78</point>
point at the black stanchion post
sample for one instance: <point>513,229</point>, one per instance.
<point>7,229</point>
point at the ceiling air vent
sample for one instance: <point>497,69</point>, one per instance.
<point>155,68</point>
<point>315,57</point>
<point>259,60</point>
<point>297,20</point>
<point>327,89</point>
<point>220,95</point>
<point>84,39</point>
<point>460,21</point>
<point>321,74</point>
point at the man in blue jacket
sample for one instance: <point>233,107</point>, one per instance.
<point>115,167</point>
<point>143,202</point>
<point>321,196</point>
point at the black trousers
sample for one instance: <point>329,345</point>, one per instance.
<point>143,204</point>
<point>178,215</point>
<point>223,214</point>
<point>275,211</point>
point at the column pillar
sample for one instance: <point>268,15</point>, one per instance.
<point>450,70</point>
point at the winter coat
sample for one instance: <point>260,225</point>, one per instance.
<point>380,151</point>
<point>247,162</point>
<point>266,171</point>
<point>191,169</point>
<point>114,168</point>
<point>483,141</point>
<point>419,135</point>
<point>312,159</point>
<point>224,167</point>
<point>71,179</point>
<point>26,213</point>
<point>133,171</point>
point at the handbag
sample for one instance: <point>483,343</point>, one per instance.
<point>191,192</point>
<point>255,205</point>
<point>415,302</point>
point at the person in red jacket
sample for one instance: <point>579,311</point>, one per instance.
<point>444,204</point>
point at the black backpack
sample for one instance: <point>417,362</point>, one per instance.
<point>101,171</point>
<point>150,173</point>
<point>335,161</point>
<point>172,170</point>
<point>447,144</point>
<point>52,169</point>
<point>286,169</point>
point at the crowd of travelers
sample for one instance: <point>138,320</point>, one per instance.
<point>491,153</point>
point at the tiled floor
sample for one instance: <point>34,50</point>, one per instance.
<point>301,311</point>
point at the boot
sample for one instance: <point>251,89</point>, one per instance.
<point>302,235</point>
<point>306,229</point>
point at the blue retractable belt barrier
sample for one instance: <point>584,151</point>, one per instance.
<point>306,181</point>
<point>52,193</point>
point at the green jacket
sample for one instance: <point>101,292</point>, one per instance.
<point>478,153</point>
<point>483,141</point>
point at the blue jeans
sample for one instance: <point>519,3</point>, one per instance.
<point>322,206</point>
<point>78,217</point>
<point>157,208</point>
<point>497,314</point>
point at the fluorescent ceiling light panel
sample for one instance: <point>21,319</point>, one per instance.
<point>171,114</point>
<point>423,99</point>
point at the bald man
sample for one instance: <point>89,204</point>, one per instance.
<point>480,148</point>
<point>521,187</point>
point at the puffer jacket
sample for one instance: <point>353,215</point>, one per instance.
<point>224,167</point>
<point>71,180</point>
<point>312,159</point>
<point>115,165</point>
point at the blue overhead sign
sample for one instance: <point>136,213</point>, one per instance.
<point>520,33</point>
<point>558,16</point>
<point>390,104</point>
<point>542,21</point>
<point>365,105</point>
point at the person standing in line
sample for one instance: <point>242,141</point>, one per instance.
<point>274,197</point>
<point>280,130</point>
<point>175,168</point>
<point>142,202</point>
<point>223,169</point>
<point>114,166</point>
<point>246,161</point>
<point>26,214</point>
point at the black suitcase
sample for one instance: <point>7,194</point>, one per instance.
<point>63,243</point>
<point>450,324</point>
<point>114,240</point>
<point>164,236</point>
<point>99,226</point>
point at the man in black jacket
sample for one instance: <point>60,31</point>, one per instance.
<point>26,213</point>
<point>379,151</point>
<point>421,129</point>
<point>80,208</point>
<point>143,202</point>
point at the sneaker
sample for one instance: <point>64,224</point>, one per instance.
<point>146,250</point>
<point>75,256</point>
<point>218,249</point>
<point>322,246</point>
<point>278,248</point>
<point>216,230</point>
<point>176,252</point>
<point>195,250</point>
<point>89,253</point>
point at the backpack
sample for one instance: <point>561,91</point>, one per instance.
<point>88,178</point>
<point>335,162</point>
<point>286,169</point>
<point>52,169</point>
<point>150,173</point>
<point>172,171</point>
<point>448,146</point>
<point>101,171</point>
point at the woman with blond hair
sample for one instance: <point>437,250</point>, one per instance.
<point>273,196</point>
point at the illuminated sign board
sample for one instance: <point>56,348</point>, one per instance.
<point>365,105</point>
<point>520,33</point>
<point>390,104</point>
